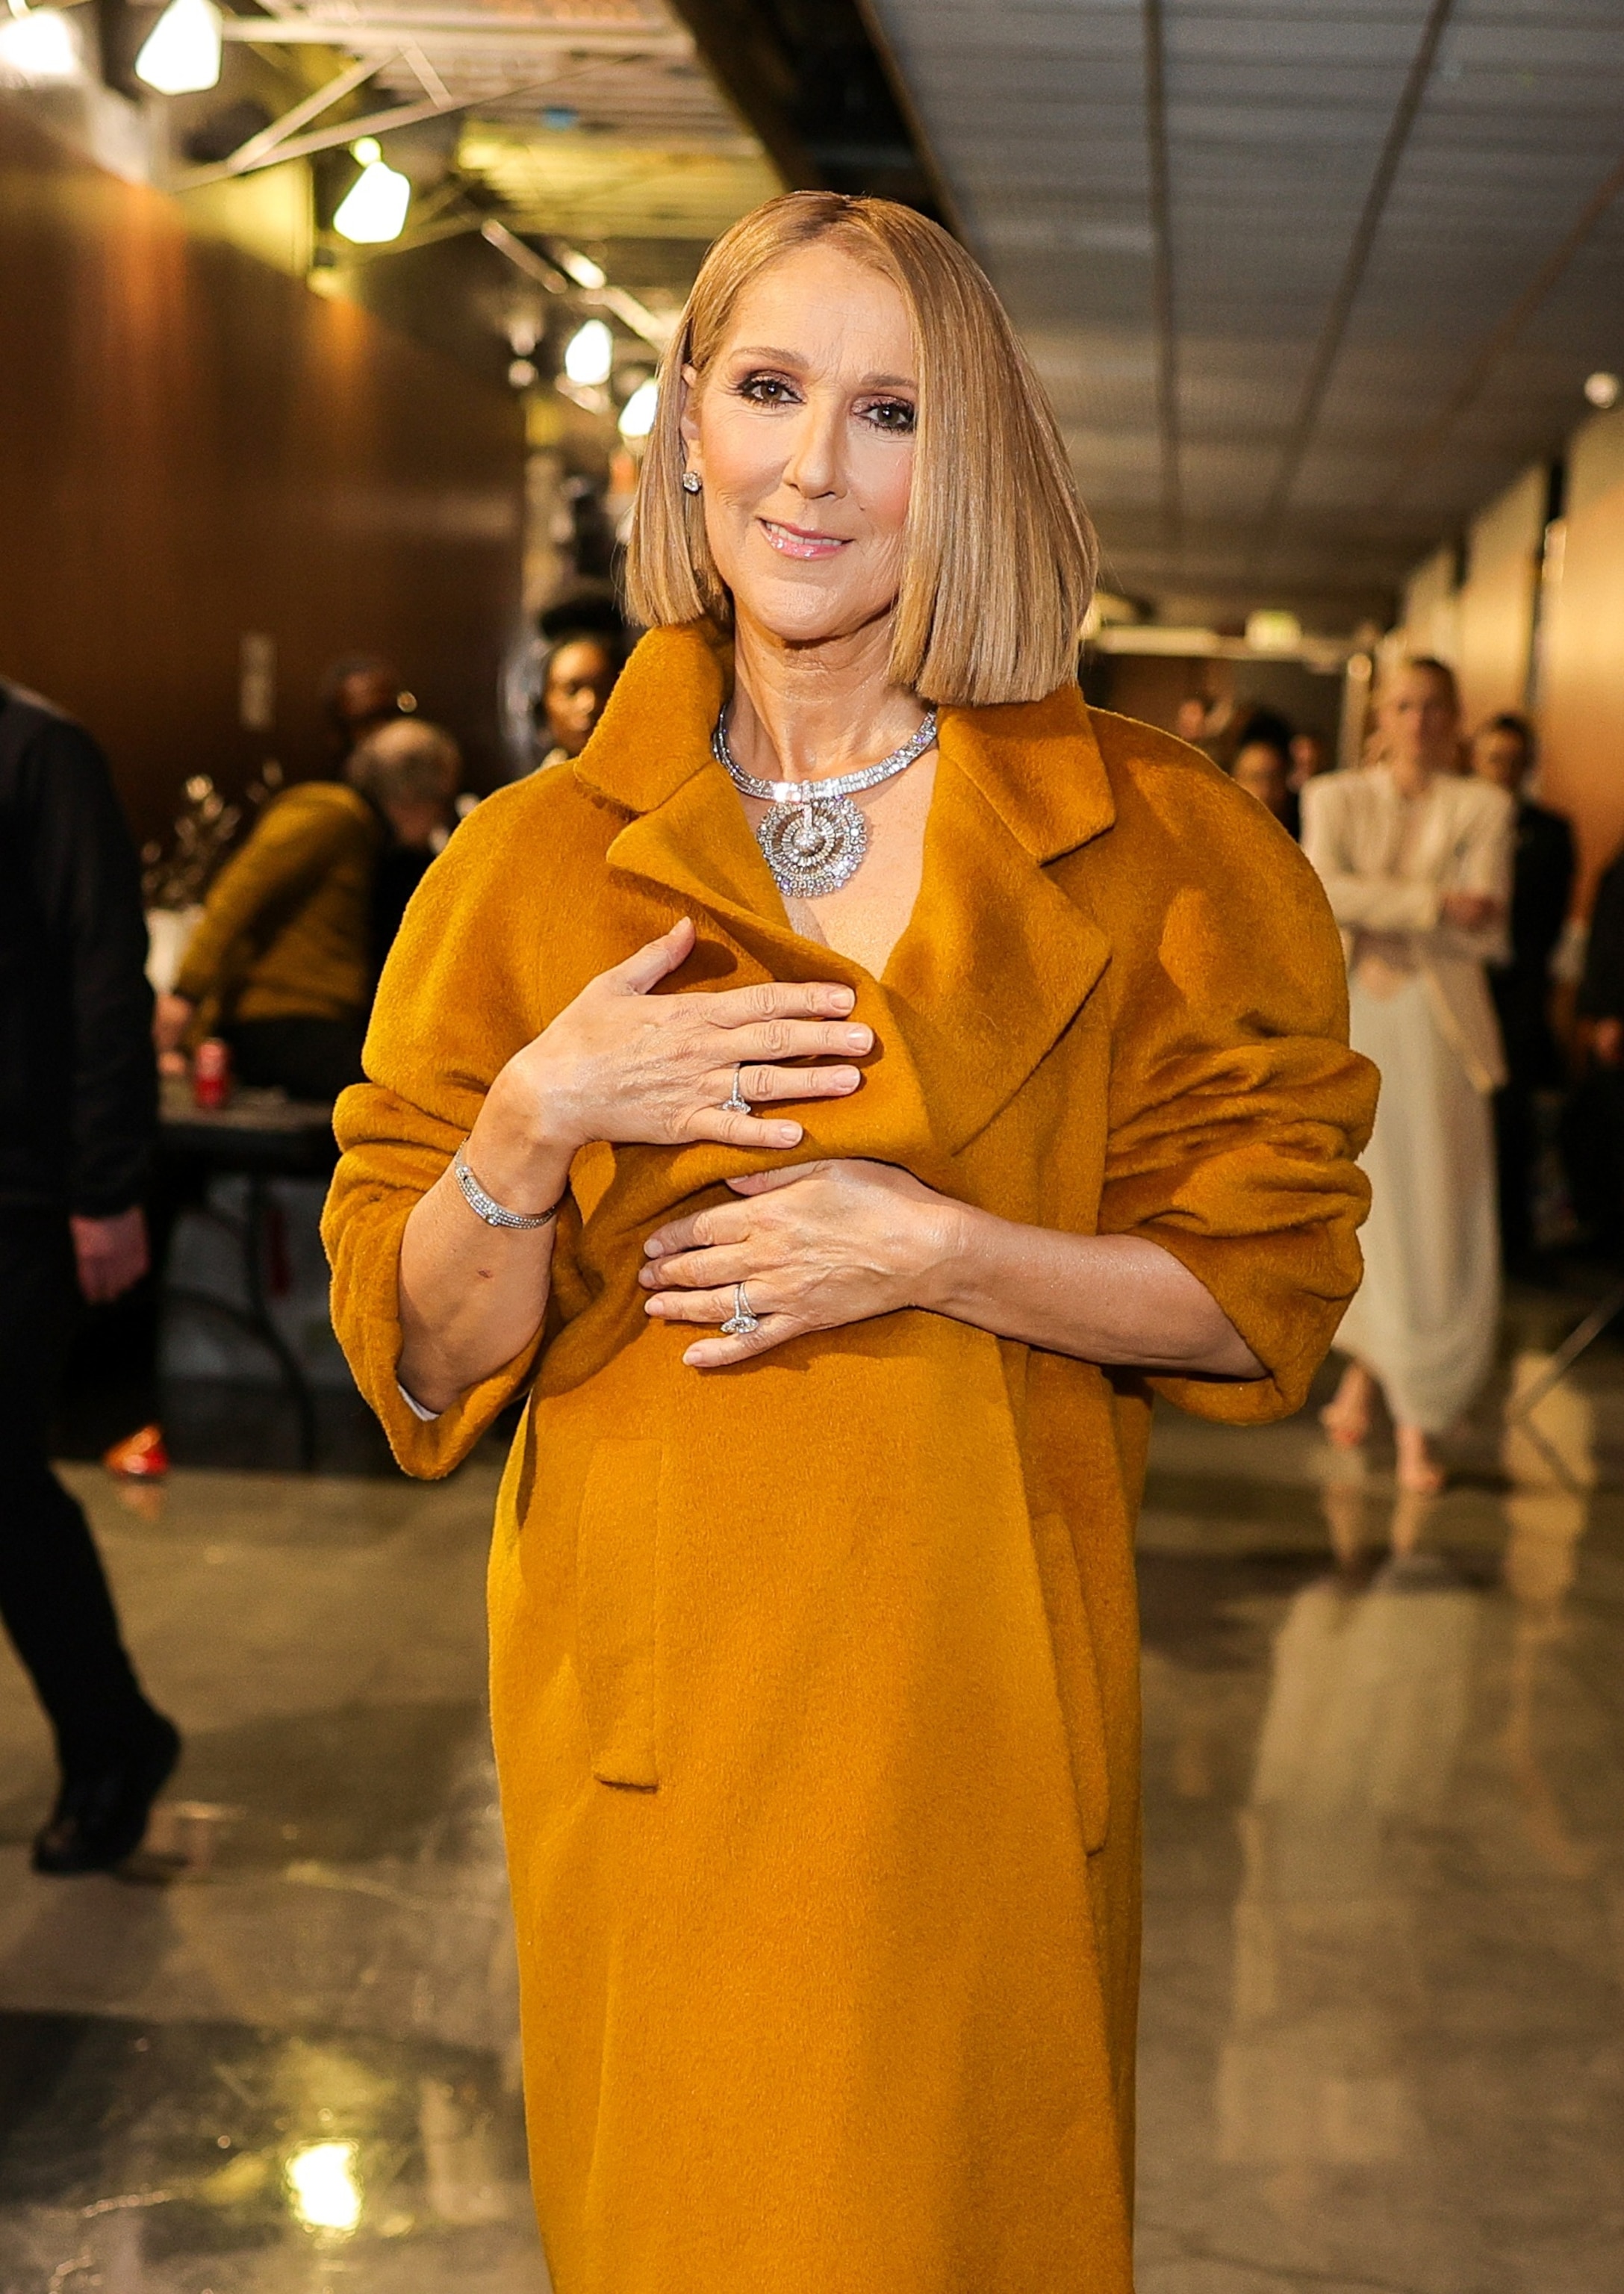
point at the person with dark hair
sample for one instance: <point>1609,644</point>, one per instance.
<point>581,674</point>
<point>1262,768</point>
<point>79,1093</point>
<point>1541,887</point>
<point>1417,862</point>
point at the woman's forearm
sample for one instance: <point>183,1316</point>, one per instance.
<point>471,1296</point>
<point>1113,1298</point>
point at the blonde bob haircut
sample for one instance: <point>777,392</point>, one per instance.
<point>999,557</point>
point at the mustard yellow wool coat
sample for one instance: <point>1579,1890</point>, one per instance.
<point>815,1680</point>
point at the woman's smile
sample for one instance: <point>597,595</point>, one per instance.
<point>797,542</point>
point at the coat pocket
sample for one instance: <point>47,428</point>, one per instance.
<point>1076,1674</point>
<point>616,1561</point>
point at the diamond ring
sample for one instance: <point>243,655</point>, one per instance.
<point>737,1104</point>
<point>742,1322</point>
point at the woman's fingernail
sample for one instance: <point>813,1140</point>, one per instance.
<point>858,1038</point>
<point>786,1135</point>
<point>843,999</point>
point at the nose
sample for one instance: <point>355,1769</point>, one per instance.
<point>813,464</point>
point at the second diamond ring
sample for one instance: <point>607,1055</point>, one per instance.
<point>742,1322</point>
<point>736,1103</point>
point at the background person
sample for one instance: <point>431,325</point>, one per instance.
<point>410,771</point>
<point>1262,768</point>
<point>815,1673</point>
<point>581,674</point>
<point>78,1120</point>
<point>1596,1155</point>
<point>1543,862</point>
<point>1416,861</point>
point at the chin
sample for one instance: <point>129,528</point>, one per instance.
<point>804,613</point>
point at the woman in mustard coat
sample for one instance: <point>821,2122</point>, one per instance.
<point>839,1102</point>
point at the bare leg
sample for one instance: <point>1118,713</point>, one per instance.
<point>1346,1417</point>
<point>1418,1468</point>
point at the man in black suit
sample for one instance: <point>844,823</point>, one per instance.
<point>1542,885</point>
<point>77,1117</point>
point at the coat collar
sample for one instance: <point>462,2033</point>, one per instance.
<point>997,958</point>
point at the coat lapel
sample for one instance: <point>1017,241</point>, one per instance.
<point>997,960</point>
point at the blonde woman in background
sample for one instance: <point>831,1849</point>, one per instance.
<point>1417,862</point>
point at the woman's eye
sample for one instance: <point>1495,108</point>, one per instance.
<point>766,390</point>
<point>894,414</point>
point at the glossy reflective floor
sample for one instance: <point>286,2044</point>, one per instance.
<point>1383,2015</point>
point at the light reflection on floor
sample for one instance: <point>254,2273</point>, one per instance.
<point>1382,2042</point>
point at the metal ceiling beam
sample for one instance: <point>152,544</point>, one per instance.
<point>1332,333</point>
<point>1164,315</point>
<point>375,123</point>
<point>260,150</point>
<point>453,29</point>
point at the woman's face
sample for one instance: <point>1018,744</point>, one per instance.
<point>1498,755</point>
<point>802,436</point>
<point>1419,720</point>
<point>1261,770</point>
<point>580,679</point>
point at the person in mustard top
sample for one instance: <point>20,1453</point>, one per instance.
<point>838,1103</point>
<point>284,959</point>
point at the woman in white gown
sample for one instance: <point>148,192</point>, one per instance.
<point>1417,864</point>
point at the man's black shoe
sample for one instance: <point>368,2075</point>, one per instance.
<point>101,1813</point>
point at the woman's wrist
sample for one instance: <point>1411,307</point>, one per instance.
<point>519,1161</point>
<point>946,1245</point>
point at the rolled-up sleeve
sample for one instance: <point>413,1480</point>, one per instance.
<point>1238,1112</point>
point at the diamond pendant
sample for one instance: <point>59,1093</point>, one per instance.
<point>813,848</point>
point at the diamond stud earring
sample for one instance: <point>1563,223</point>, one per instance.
<point>690,481</point>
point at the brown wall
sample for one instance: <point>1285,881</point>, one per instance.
<point>194,446</point>
<point>1581,662</point>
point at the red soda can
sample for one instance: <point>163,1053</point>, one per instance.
<point>211,1073</point>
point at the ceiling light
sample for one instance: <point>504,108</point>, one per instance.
<point>322,2186</point>
<point>181,55</point>
<point>1601,389</point>
<point>582,269</point>
<point>37,45</point>
<point>637,414</point>
<point>522,373</point>
<point>1273,633</point>
<point>373,210</point>
<point>589,354</point>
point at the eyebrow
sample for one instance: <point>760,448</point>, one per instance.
<point>793,358</point>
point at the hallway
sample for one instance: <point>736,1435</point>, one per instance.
<point>1386,1889</point>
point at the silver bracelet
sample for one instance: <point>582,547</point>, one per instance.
<point>493,1213</point>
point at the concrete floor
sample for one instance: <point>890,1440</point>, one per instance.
<point>1383,2045</point>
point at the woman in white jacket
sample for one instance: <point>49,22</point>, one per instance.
<point>1416,861</point>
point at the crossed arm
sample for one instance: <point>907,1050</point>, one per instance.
<point>819,1245</point>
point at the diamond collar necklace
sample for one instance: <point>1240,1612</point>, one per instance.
<point>814,837</point>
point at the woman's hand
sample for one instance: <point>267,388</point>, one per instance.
<point>622,1065</point>
<point>1469,911</point>
<point>820,1245</point>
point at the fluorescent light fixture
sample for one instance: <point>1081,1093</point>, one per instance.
<point>181,55</point>
<point>373,210</point>
<point>322,2186</point>
<point>582,269</point>
<point>637,414</point>
<point>38,46</point>
<point>589,354</point>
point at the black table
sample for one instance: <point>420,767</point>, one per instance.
<point>259,1136</point>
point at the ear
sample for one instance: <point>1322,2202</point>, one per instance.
<point>688,420</point>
